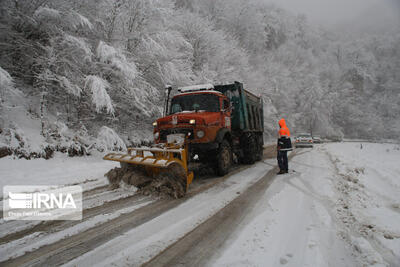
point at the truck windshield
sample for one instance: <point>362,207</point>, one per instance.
<point>195,102</point>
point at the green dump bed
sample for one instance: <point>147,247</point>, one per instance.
<point>247,113</point>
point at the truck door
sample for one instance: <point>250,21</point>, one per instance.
<point>226,113</point>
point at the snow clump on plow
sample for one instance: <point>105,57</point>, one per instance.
<point>161,170</point>
<point>169,183</point>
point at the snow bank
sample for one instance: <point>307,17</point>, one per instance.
<point>370,207</point>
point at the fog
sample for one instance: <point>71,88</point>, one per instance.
<point>361,14</point>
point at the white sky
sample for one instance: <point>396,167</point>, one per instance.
<point>333,12</point>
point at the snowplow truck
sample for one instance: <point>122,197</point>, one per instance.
<point>212,124</point>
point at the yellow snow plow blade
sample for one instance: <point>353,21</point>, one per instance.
<point>167,159</point>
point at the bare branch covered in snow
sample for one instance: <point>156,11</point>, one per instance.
<point>108,139</point>
<point>100,96</point>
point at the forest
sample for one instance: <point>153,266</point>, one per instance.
<point>92,73</point>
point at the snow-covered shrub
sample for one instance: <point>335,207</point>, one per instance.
<point>100,96</point>
<point>16,138</point>
<point>68,141</point>
<point>82,136</point>
<point>108,139</point>
<point>14,141</point>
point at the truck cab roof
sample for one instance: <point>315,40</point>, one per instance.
<point>198,87</point>
<point>200,92</point>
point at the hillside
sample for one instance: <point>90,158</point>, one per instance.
<point>82,75</point>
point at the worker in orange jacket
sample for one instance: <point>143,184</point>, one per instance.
<point>284,145</point>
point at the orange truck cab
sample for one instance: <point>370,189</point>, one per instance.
<point>219,122</point>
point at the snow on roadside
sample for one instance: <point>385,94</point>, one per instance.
<point>60,170</point>
<point>369,179</point>
<point>157,234</point>
<point>339,208</point>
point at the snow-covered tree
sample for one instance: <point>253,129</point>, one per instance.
<point>100,97</point>
<point>94,63</point>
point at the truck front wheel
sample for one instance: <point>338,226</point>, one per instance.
<point>224,158</point>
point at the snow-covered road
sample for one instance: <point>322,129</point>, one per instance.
<point>339,206</point>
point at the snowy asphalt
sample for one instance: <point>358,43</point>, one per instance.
<point>337,207</point>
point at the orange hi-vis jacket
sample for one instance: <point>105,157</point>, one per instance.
<point>284,130</point>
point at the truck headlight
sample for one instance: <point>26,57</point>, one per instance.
<point>200,134</point>
<point>192,122</point>
<point>156,135</point>
<point>155,124</point>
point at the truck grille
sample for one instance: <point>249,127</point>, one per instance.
<point>180,120</point>
<point>164,133</point>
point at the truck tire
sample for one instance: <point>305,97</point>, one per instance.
<point>250,149</point>
<point>224,158</point>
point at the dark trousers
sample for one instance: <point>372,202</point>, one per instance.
<point>282,160</point>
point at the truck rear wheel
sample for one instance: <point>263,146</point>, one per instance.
<point>224,158</point>
<point>250,150</point>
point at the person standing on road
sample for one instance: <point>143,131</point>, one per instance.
<point>284,145</point>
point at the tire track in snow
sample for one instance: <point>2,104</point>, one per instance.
<point>46,226</point>
<point>197,246</point>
